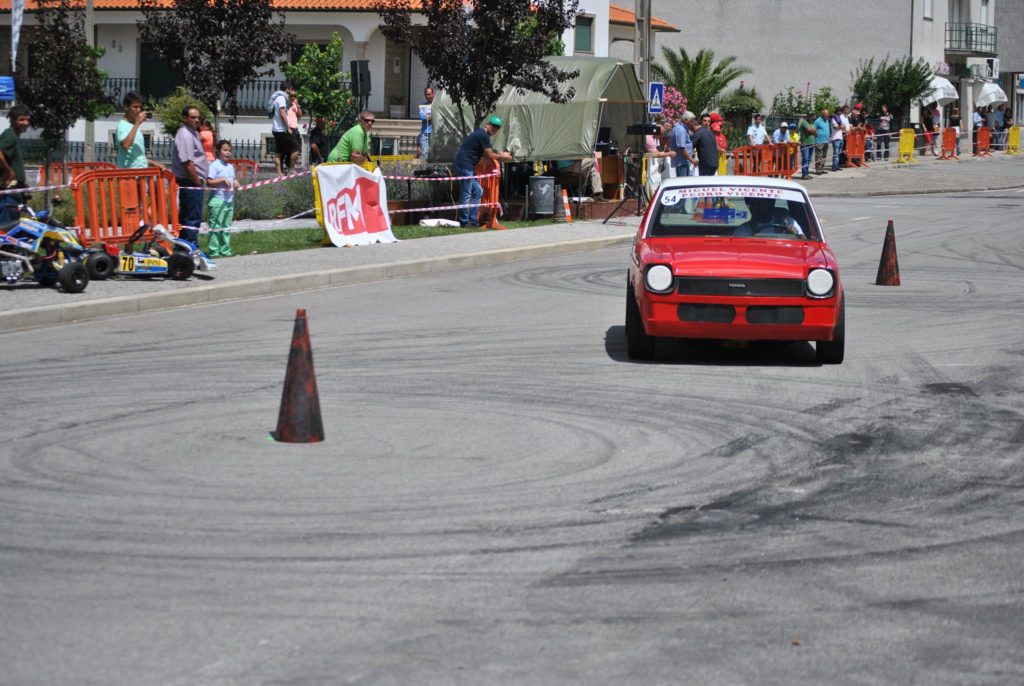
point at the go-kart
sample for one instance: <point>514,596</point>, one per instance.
<point>31,249</point>
<point>150,258</point>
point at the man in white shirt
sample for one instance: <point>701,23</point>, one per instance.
<point>756,133</point>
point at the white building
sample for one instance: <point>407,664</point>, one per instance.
<point>397,76</point>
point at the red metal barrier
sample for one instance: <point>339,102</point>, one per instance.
<point>110,204</point>
<point>856,142</point>
<point>949,144</point>
<point>245,170</point>
<point>58,172</point>
<point>492,192</point>
<point>984,142</point>
<point>764,160</point>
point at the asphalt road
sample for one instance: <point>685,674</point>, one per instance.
<point>503,498</point>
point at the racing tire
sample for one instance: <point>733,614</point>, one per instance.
<point>639,345</point>
<point>73,277</point>
<point>100,265</point>
<point>832,352</point>
<point>179,266</point>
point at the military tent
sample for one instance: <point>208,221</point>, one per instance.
<point>607,94</point>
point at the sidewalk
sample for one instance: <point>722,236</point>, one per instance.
<point>26,305</point>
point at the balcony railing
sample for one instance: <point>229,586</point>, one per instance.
<point>975,39</point>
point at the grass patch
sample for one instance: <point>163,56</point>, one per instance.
<point>287,240</point>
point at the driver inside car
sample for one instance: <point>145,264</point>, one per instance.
<point>763,219</point>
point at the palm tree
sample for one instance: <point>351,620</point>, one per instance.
<point>700,79</point>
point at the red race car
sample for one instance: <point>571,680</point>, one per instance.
<point>733,258</point>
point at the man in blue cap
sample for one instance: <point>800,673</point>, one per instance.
<point>475,146</point>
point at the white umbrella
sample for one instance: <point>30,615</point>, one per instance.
<point>988,94</point>
<point>943,92</point>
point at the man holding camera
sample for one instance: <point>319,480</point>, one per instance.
<point>131,148</point>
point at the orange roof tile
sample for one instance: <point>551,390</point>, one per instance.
<point>328,5</point>
<point>623,17</point>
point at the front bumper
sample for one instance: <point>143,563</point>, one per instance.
<point>741,319</point>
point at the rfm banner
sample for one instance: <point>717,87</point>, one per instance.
<point>352,204</point>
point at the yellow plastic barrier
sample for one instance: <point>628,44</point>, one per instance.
<point>1013,141</point>
<point>906,148</point>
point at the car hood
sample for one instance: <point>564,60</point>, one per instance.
<point>763,258</point>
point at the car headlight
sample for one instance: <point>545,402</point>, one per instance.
<point>659,279</point>
<point>820,283</point>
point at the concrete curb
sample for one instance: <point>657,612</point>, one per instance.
<point>50,315</point>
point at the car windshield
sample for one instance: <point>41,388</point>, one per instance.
<point>728,211</point>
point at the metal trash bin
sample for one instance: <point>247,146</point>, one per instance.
<point>541,194</point>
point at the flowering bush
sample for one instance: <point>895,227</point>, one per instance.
<point>674,105</point>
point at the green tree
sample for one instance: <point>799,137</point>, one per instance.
<point>701,79</point>
<point>57,101</point>
<point>897,83</point>
<point>217,46</point>
<point>167,111</point>
<point>473,50</point>
<point>320,84</point>
<point>791,102</point>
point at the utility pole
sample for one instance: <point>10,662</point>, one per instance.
<point>90,127</point>
<point>642,43</point>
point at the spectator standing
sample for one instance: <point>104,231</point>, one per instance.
<point>808,133</point>
<point>222,201</point>
<point>12,162</point>
<point>927,125</point>
<point>681,144</point>
<point>354,145</point>
<point>705,145</point>
<point>937,129</point>
<point>756,133</point>
<point>206,138</point>
<point>954,121</point>
<point>131,147</point>
<point>426,123</point>
<point>882,133</point>
<point>475,147</point>
<point>657,154</point>
<point>999,128</point>
<point>317,141</point>
<point>781,134</point>
<point>839,125</point>
<point>822,128</point>
<point>190,166</point>
<point>284,141</point>
<point>294,116</point>
<point>976,121</point>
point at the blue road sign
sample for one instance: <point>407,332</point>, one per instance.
<point>655,97</point>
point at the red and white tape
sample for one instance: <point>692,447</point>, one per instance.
<point>446,207</point>
<point>33,189</point>
<point>496,172</point>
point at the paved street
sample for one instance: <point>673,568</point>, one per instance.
<point>503,498</point>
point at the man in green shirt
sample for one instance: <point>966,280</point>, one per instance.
<point>131,150</point>
<point>12,164</point>
<point>354,145</point>
<point>807,133</point>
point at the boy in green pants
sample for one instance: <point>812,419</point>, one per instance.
<point>222,201</point>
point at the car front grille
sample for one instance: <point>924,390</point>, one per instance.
<point>764,288</point>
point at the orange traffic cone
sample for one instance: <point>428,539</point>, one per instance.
<point>888,266</point>
<point>299,419</point>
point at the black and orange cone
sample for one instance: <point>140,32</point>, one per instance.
<point>888,266</point>
<point>299,419</point>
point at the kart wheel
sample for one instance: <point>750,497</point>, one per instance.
<point>639,346</point>
<point>180,267</point>
<point>832,352</point>
<point>100,265</point>
<point>73,277</point>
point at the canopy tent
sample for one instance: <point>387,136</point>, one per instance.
<point>607,94</point>
<point>988,94</point>
<point>943,92</point>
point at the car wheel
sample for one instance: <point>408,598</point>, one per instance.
<point>100,265</point>
<point>73,277</point>
<point>639,346</point>
<point>180,267</point>
<point>832,352</point>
